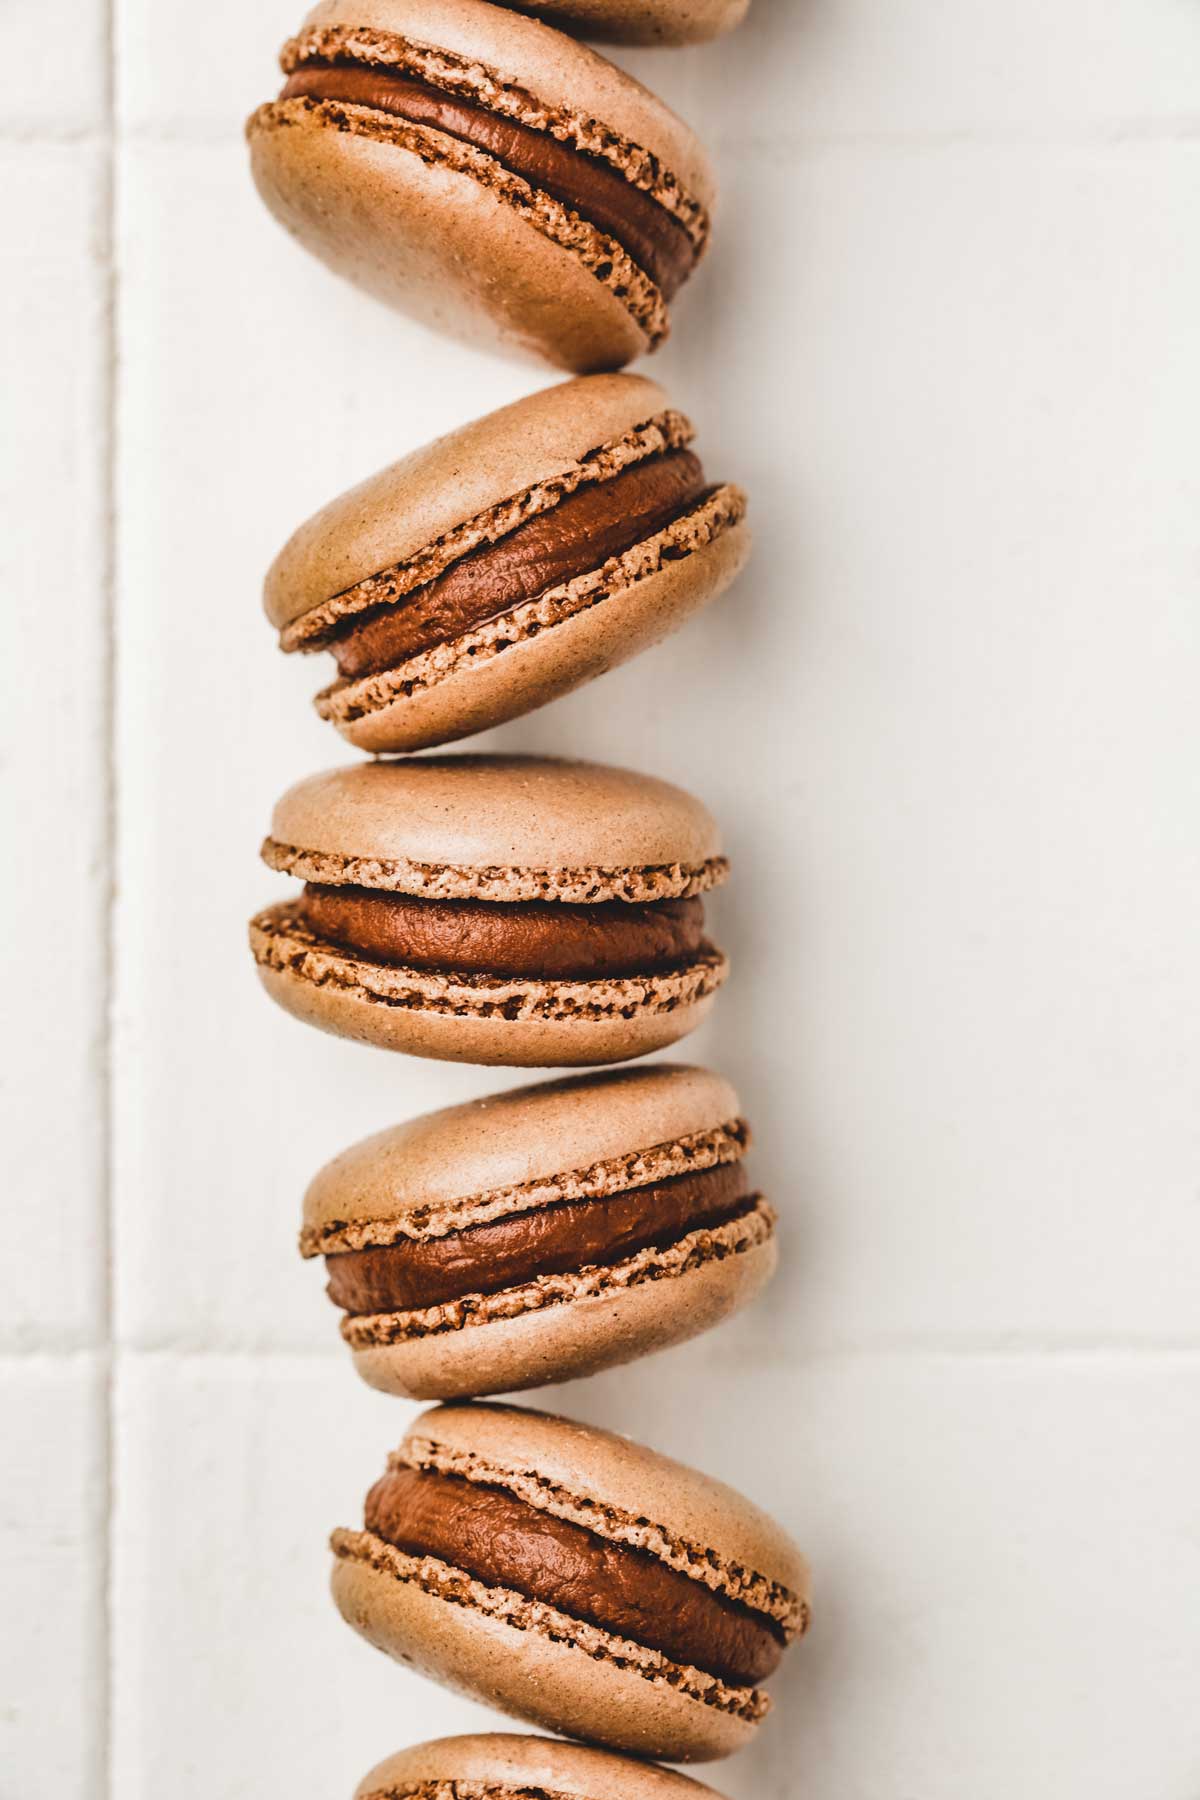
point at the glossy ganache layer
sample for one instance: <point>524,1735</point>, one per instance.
<point>581,533</point>
<point>549,1240</point>
<point>540,939</point>
<point>586,184</point>
<point>504,1542</point>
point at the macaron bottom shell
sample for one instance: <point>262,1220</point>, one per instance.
<point>426,237</point>
<point>548,1673</point>
<point>516,1023</point>
<point>599,1330</point>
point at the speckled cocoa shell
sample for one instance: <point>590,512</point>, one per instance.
<point>498,828</point>
<point>529,1674</point>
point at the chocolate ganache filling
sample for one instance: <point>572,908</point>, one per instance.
<point>507,1543</point>
<point>539,939</point>
<point>586,184</point>
<point>581,533</point>
<point>549,1240</point>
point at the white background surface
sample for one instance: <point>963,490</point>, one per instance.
<point>948,340</point>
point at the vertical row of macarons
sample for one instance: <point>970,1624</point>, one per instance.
<point>488,173</point>
<point>566,1576</point>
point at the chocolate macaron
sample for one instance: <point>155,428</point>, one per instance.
<point>487,173</point>
<point>541,1234</point>
<point>506,1766</point>
<point>507,563</point>
<point>493,909</point>
<point>574,1579</point>
<point>640,21</point>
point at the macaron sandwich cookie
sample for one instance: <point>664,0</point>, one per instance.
<point>541,1234</point>
<point>514,910</point>
<point>487,173</point>
<point>574,1579</point>
<point>506,563</point>
<point>508,1766</point>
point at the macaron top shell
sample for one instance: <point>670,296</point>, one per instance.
<point>497,827</point>
<point>549,66</point>
<point>410,506</point>
<point>533,1135</point>
<point>506,1763</point>
<point>642,21</point>
<point>629,1494</point>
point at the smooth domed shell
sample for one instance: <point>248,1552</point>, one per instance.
<point>410,505</point>
<point>528,1134</point>
<point>496,812</point>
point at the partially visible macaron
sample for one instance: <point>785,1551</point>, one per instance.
<point>487,173</point>
<point>640,21</point>
<point>541,1234</point>
<point>507,563</point>
<point>491,909</point>
<point>574,1579</point>
<point>500,1765</point>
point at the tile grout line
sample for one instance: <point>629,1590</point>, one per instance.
<point>110,295</point>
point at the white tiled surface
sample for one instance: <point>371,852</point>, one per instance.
<point>54,1680</point>
<point>948,340</point>
<point>54,750</point>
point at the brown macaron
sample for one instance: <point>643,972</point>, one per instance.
<point>507,563</point>
<point>493,909</point>
<point>498,1765</point>
<point>486,173</point>
<point>574,1579</point>
<point>648,22</point>
<point>541,1234</point>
